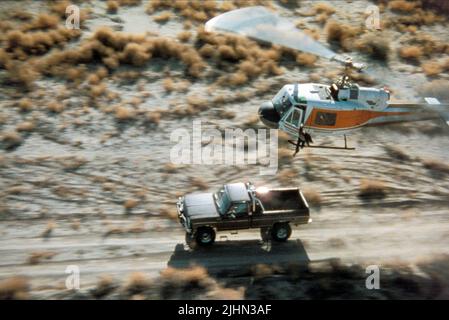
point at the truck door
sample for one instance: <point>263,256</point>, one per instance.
<point>236,218</point>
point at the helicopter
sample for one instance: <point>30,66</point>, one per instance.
<point>304,109</point>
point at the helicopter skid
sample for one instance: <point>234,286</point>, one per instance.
<point>325,147</point>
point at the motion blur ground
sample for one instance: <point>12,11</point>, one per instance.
<point>86,178</point>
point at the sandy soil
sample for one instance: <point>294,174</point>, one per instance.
<point>83,189</point>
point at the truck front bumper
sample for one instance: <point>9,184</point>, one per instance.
<point>181,216</point>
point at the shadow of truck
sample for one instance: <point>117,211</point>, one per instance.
<point>239,253</point>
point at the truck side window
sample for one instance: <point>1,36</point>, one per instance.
<point>240,208</point>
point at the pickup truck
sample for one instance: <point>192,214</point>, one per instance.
<point>239,206</point>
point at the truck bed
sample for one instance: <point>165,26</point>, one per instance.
<point>281,199</point>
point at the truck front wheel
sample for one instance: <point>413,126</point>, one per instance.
<point>205,236</point>
<point>281,232</point>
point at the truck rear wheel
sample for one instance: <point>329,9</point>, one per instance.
<point>281,232</point>
<point>205,236</point>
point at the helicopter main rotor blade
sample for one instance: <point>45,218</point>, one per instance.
<point>261,24</point>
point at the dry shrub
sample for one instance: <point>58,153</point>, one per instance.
<point>73,163</point>
<point>93,79</point>
<point>227,294</point>
<point>163,17</point>
<point>198,183</point>
<point>42,22</point>
<point>184,36</point>
<point>251,121</point>
<point>397,153</point>
<point>194,276</point>
<point>153,117</point>
<point>137,227</point>
<point>287,176</point>
<point>341,34</point>
<point>114,230</point>
<point>238,79</point>
<point>170,168</point>
<point>306,59</point>
<point>402,6</point>
<point>170,213</point>
<point>197,103</point>
<point>37,256</point>
<point>431,68</point>
<point>130,204</point>
<point>112,6</point>
<point>55,106</point>
<point>26,126</point>
<point>75,224</point>
<point>323,8</point>
<point>436,165</point>
<point>228,51</point>
<point>313,197</point>
<point>51,225</point>
<point>168,84</point>
<point>14,288</point>
<point>376,45</point>
<point>137,282</point>
<point>207,51</point>
<point>21,15</point>
<point>124,113</point>
<point>21,74</point>
<point>413,53</point>
<point>104,286</point>
<point>25,104</point>
<point>428,44</point>
<point>226,114</point>
<point>372,189</point>
<point>116,48</point>
<point>11,139</point>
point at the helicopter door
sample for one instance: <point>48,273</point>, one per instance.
<point>292,121</point>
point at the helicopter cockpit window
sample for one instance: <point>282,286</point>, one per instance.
<point>294,118</point>
<point>325,119</point>
<point>354,94</point>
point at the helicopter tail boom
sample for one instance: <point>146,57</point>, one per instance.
<point>431,109</point>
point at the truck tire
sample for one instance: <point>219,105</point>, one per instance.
<point>281,232</point>
<point>205,236</point>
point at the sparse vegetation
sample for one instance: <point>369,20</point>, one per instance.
<point>313,197</point>
<point>112,6</point>
<point>376,45</point>
<point>412,53</point>
<point>436,166</point>
<point>105,285</point>
<point>14,288</point>
<point>397,153</point>
<point>37,257</point>
<point>137,282</point>
<point>51,225</point>
<point>372,189</point>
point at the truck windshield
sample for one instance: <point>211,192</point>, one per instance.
<point>222,200</point>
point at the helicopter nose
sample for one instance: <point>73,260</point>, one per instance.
<point>268,115</point>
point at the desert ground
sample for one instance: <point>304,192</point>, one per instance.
<point>86,178</point>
